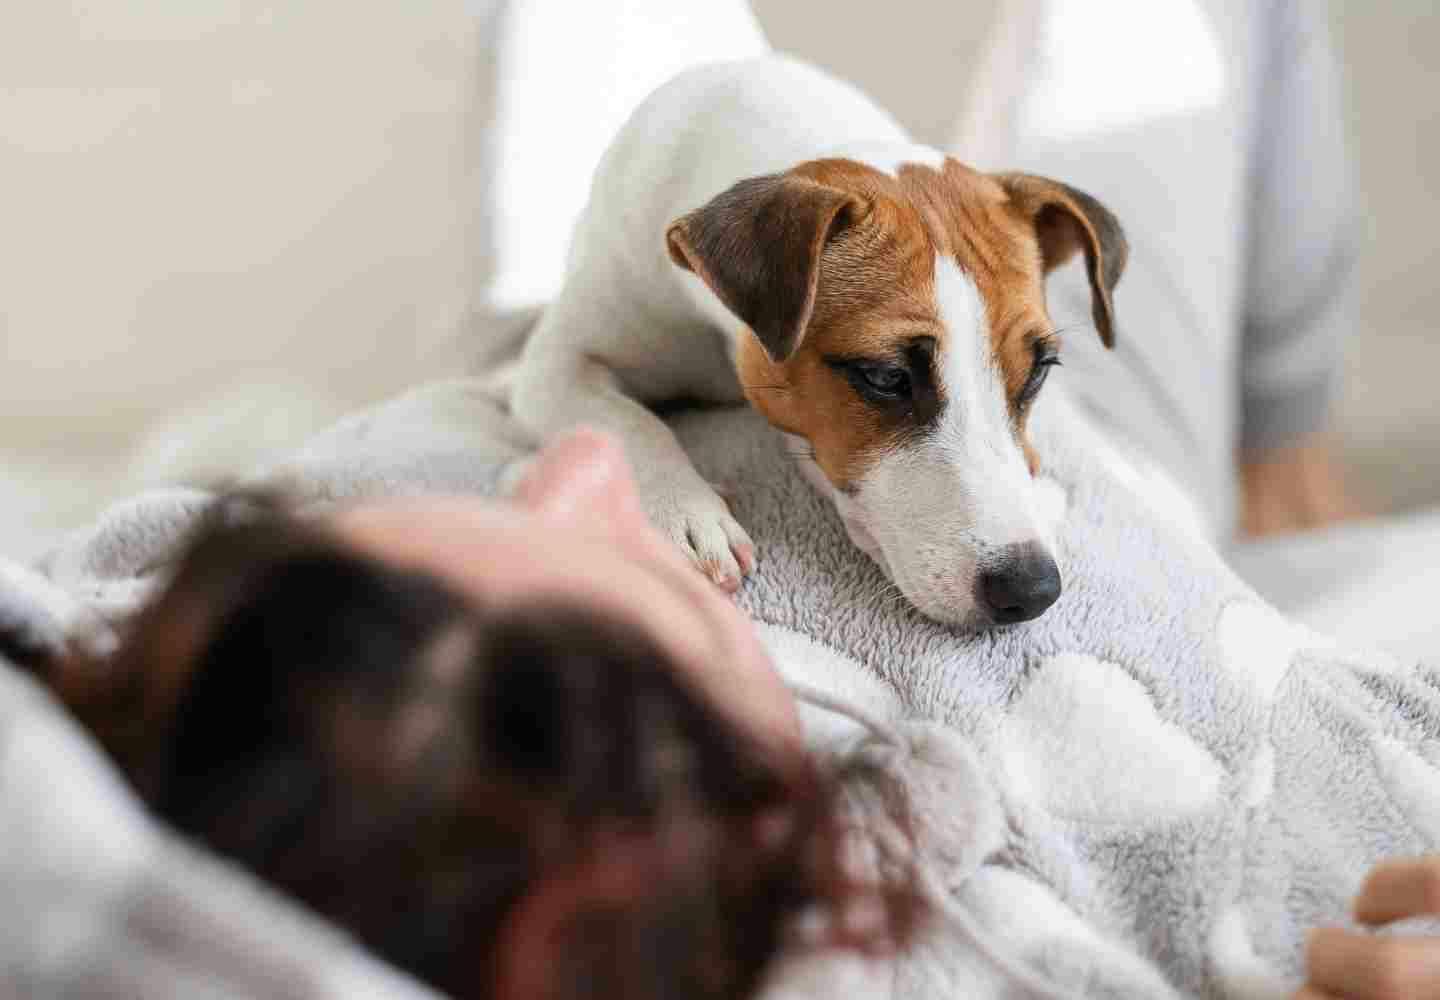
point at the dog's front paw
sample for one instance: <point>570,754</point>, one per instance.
<point>706,532</point>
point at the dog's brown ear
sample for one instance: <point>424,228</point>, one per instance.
<point>1067,220</point>
<point>757,246</point>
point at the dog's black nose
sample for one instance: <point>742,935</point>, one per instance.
<point>1020,586</point>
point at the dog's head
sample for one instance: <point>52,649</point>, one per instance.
<point>899,327</point>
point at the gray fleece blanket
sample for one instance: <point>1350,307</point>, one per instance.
<point>1152,791</point>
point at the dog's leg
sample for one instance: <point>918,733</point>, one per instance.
<point>561,390</point>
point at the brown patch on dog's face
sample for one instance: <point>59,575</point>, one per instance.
<point>900,329</point>
<point>874,298</point>
<point>876,303</point>
<point>976,223</point>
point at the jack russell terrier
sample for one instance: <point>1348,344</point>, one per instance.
<point>759,230</point>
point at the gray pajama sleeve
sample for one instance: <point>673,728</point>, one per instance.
<point>1299,286</point>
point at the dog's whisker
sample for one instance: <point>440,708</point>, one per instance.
<point>767,388</point>
<point>892,596</point>
<point>887,596</point>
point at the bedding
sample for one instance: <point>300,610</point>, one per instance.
<point>1151,791</point>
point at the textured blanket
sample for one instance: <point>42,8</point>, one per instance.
<point>1152,791</point>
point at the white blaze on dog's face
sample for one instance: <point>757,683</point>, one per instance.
<point>899,328</point>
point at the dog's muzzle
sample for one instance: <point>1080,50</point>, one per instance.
<point>1019,586</point>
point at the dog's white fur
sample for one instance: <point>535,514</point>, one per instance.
<point>939,509</point>
<point>630,326</point>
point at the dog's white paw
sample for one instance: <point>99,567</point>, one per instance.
<point>713,540</point>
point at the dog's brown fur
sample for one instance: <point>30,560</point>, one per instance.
<point>837,259</point>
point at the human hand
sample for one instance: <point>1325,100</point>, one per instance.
<point>1297,488</point>
<point>574,529</point>
<point>1344,965</point>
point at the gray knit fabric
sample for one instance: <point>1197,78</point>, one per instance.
<point>1304,236</point>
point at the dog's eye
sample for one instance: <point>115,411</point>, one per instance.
<point>876,381</point>
<point>1039,372</point>
<point>885,380</point>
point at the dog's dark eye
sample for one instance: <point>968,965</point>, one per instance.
<point>890,381</point>
<point>876,381</point>
<point>1039,372</point>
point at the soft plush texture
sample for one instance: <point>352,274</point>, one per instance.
<point>1152,790</point>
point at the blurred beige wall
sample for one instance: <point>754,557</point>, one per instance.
<point>197,193</point>
<point>1391,410</point>
<point>919,75</point>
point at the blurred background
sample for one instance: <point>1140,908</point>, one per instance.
<point>263,215</point>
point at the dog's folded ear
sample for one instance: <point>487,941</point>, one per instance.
<point>1067,220</point>
<point>757,246</point>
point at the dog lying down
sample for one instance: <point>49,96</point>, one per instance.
<point>527,804</point>
<point>761,231</point>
